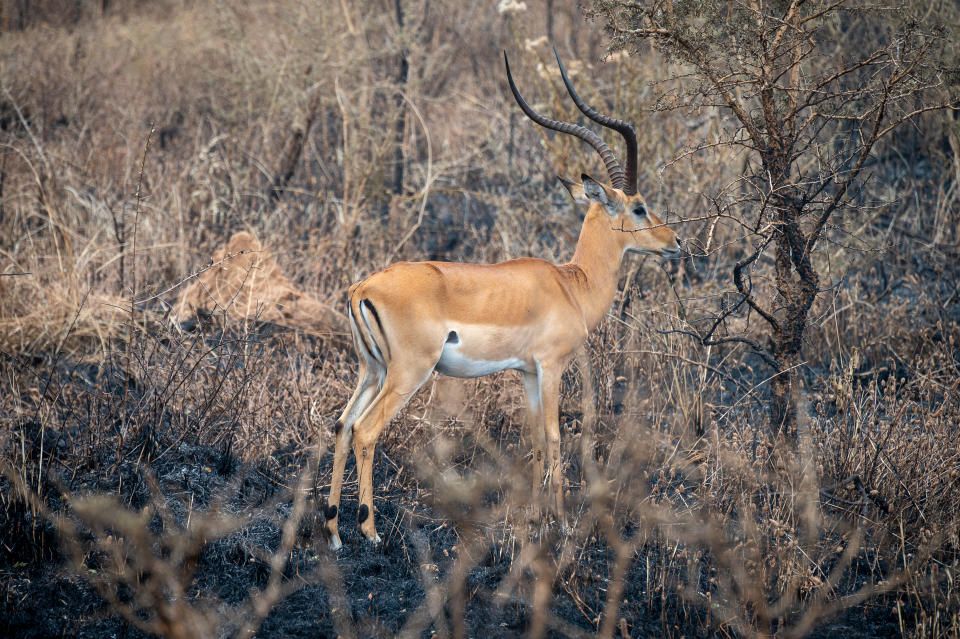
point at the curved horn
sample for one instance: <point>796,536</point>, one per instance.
<point>623,128</point>
<point>585,134</point>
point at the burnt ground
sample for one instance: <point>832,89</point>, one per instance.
<point>42,596</point>
<point>384,586</point>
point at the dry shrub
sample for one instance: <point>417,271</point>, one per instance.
<point>245,281</point>
<point>144,562</point>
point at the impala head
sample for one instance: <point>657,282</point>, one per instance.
<point>642,230</point>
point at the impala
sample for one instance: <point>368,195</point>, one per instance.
<point>470,320</point>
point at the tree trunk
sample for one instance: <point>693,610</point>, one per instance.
<point>399,126</point>
<point>797,283</point>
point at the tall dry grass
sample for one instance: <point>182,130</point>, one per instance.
<point>690,518</point>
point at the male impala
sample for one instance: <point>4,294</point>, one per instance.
<point>469,320</point>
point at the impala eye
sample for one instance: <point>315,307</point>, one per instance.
<point>640,211</point>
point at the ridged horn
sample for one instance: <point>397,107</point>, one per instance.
<point>610,162</point>
<point>625,129</point>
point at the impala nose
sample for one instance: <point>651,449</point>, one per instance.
<point>674,250</point>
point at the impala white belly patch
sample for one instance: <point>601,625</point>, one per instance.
<point>455,364</point>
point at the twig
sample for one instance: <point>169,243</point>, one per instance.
<point>186,279</point>
<point>427,182</point>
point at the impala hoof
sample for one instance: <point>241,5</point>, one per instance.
<point>335,544</point>
<point>375,540</point>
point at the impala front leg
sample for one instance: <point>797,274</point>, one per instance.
<point>531,384</point>
<point>550,391</point>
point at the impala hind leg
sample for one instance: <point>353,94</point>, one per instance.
<point>343,435</point>
<point>396,390</point>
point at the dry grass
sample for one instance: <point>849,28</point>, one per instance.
<point>691,519</point>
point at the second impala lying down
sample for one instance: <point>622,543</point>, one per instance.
<point>469,320</point>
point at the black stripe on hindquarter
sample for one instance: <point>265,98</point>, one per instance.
<point>376,318</point>
<point>360,332</point>
<point>374,346</point>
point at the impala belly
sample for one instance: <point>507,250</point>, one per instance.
<point>470,353</point>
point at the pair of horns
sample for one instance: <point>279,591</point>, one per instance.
<point>626,181</point>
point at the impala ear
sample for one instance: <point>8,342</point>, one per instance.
<point>601,193</point>
<point>576,190</point>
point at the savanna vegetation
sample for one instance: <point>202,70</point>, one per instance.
<point>761,439</point>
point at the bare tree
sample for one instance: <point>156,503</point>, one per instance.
<point>812,86</point>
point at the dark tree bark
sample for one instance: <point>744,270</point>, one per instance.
<point>399,126</point>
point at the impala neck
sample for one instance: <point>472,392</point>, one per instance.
<point>599,253</point>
